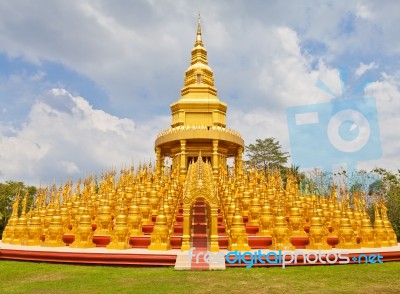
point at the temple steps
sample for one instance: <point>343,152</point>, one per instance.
<point>200,241</point>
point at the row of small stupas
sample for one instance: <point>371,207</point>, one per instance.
<point>150,204</point>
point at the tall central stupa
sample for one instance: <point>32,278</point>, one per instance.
<point>198,120</point>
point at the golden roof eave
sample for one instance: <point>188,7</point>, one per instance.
<point>199,132</point>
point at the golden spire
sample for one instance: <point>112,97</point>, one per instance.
<point>199,53</point>
<point>199,74</point>
<point>199,41</point>
<point>198,104</point>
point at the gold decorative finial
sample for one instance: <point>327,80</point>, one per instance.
<point>198,24</point>
<point>198,37</point>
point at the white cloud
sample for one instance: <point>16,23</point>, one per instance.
<point>363,68</point>
<point>387,94</point>
<point>70,167</point>
<point>138,51</point>
<point>363,11</point>
<point>58,143</point>
<point>286,79</point>
<point>259,125</point>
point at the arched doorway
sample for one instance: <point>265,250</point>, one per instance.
<point>199,185</point>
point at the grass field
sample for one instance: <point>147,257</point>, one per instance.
<point>27,277</point>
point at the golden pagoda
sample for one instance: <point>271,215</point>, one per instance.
<point>197,200</point>
<point>198,120</point>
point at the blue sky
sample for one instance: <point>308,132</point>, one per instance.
<point>86,85</point>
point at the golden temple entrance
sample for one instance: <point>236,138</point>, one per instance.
<point>199,184</point>
<point>193,159</point>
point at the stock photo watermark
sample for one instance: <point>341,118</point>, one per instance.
<point>343,132</point>
<point>282,258</point>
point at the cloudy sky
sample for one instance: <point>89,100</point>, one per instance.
<point>86,85</point>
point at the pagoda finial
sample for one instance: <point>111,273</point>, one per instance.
<point>199,41</point>
<point>198,24</point>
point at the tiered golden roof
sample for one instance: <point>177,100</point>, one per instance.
<point>198,119</point>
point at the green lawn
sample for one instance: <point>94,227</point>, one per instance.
<point>27,277</point>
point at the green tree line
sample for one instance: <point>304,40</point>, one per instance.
<point>8,192</point>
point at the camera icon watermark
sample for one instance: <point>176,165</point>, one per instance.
<point>341,132</point>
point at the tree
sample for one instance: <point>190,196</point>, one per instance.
<point>388,187</point>
<point>8,192</point>
<point>266,154</point>
<point>317,182</point>
<point>376,187</point>
<point>294,170</point>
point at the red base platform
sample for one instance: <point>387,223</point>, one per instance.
<point>144,257</point>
